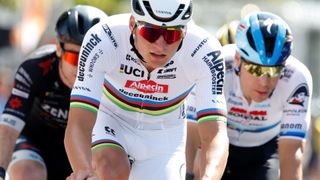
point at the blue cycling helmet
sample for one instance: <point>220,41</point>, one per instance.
<point>264,38</point>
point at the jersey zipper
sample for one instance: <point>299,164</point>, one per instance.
<point>141,114</point>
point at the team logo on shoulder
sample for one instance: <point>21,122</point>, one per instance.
<point>299,95</point>
<point>45,66</point>
<point>287,73</point>
<point>111,36</point>
<point>15,103</point>
<point>202,43</point>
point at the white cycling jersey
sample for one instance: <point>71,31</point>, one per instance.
<point>112,81</point>
<point>286,113</point>
<point>110,74</point>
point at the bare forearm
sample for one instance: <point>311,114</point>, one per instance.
<point>8,138</point>
<point>214,149</point>
<point>214,158</point>
<point>291,169</point>
<point>78,149</point>
<point>291,158</point>
<point>78,138</point>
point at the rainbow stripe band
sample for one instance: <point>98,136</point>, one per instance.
<point>212,114</point>
<point>141,105</point>
<point>84,102</point>
<point>105,143</point>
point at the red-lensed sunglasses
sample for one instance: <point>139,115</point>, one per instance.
<point>151,32</point>
<point>70,57</point>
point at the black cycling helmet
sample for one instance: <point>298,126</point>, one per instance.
<point>73,24</point>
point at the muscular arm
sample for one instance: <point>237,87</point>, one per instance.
<point>8,137</point>
<point>290,156</point>
<point>214,149</point>
<point>192,146</point>
<point>78,138</point>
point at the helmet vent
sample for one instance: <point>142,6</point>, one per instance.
<point>269,45</point>
<point>188,12</point>
<point>81,24</point>
<point>245,52</point>
<point>286,51</point>
<point>95,21</point>
<point>137,7</point>
<point>250,39</point>
<point>150,11</point>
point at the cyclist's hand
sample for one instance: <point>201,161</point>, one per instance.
<point>83,175</point>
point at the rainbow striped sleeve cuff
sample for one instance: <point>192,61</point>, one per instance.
<point>84,102</point>
<point>105,143</point>
<point>212,114</point>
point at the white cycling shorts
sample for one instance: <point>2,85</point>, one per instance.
<point>157,154</point>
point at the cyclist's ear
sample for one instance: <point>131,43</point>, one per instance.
<point>132,23</point>
<point>237,58</point>
<point>59,49</point>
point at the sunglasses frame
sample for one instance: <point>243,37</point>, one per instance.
<point>260,70</point>
<point>161,31</point>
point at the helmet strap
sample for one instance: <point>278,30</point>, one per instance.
<point>134,49</point>
<point>238,68</point>
<point>180,45</point>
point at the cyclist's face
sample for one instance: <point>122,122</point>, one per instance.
<point>68,63</point>
<point>157,53</point>
<point>256,88</point>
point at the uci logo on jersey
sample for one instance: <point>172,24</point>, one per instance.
<point>130,70</point>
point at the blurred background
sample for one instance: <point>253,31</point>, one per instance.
<point>26,24</point>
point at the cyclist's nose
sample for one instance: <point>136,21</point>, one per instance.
<point>264,81</point>
<point>160,42</point>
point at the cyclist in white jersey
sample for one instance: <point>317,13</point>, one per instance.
<point>133,77</point>
<point>268,94</point>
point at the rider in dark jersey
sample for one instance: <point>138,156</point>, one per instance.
<point>37,109</point>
